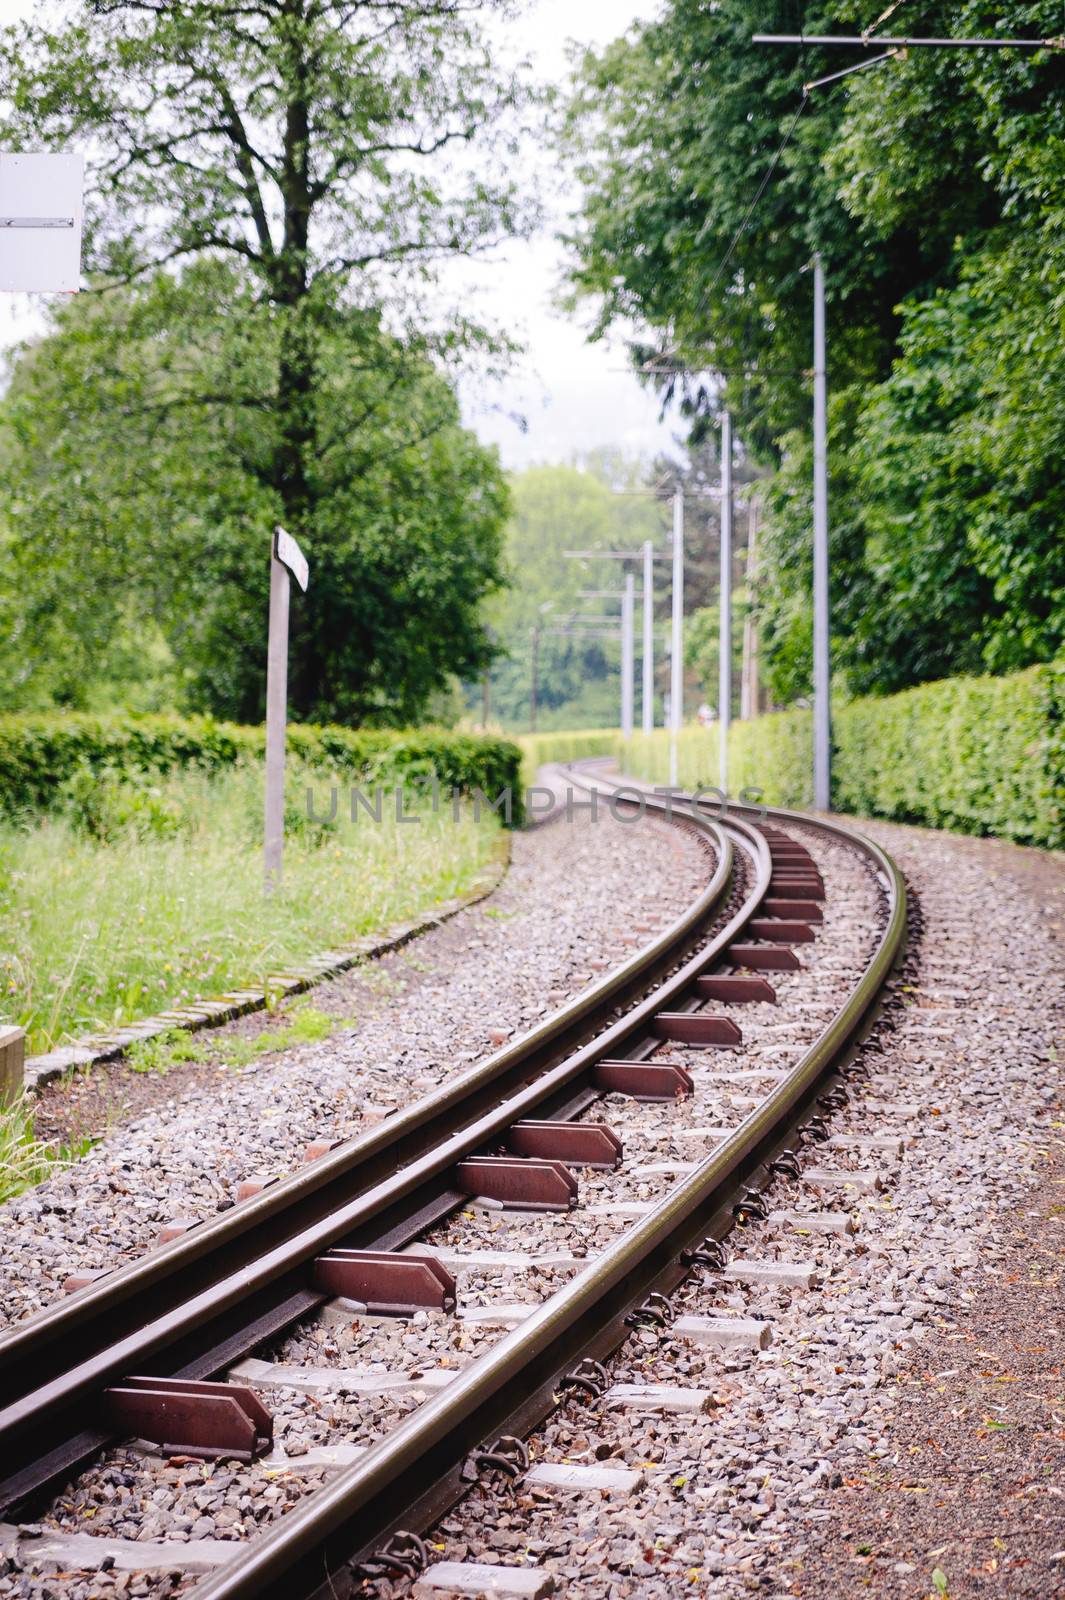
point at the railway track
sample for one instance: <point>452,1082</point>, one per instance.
<point>383,1247</point>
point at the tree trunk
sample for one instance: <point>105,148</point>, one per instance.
<point>296,375</point>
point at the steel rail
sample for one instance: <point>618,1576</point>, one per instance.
<point>414,1474</point>
<point>232,1285</point>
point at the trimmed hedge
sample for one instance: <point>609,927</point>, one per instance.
<point>38,754</point>
<point>978,755</point>
<point>541,749</point>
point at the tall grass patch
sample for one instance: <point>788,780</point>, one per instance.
<point>140,895</point>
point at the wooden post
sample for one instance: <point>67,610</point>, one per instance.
<point>286,558</point>
<point>12,1063</point>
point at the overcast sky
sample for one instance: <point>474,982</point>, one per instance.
<point>573,395</point>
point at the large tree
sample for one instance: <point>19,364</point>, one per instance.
<point>135,515</point>
<point>932,187</point>
<point>297,168</point>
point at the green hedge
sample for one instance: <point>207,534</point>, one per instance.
<point>979,755</point>
<point>38,754</point>
<point>542,749</point>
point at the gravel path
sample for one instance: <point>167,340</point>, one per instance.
<point>446,1000</point>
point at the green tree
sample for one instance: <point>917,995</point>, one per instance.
<point>318,152</point>
<point>933,188</point>
<point>135,517</point>
<point>602,503</point>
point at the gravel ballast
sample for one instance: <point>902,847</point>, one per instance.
<point>876,1443</point>
<point>410,1020</point>
<point>813,1472</point>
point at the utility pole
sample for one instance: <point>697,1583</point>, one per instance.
<point>822,663</point>
<point>724,710</point>
<point>648,638</point>
<point>534,633</point>
<point>676,664</point>
<point>628,599</point>
<point>749,707</point>
<point>627,596</point>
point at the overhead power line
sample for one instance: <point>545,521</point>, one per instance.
<point>869,41</point>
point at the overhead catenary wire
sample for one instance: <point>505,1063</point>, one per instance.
<point>906,42</point>
<point>845,72</point>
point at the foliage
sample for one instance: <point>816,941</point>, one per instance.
<point>598,503</point>
<point>99,934</point>
<point>127,485</point>
<point>303,1024</point>
<point>24,1159</point>
<point>978,755</point>
<point>77,762</point>
<point>270,187</point>
<point>603,501</point>
<point>544,749</point>
<point>933,188</point>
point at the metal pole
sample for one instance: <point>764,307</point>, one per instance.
<point>628,654</point>
<point>276,713</point>
<point>749,685</point>
<point>822,664</point>
<point>535,677</point>
<point>724,694</point>
<point>676,665</point>
<point>648,638</point>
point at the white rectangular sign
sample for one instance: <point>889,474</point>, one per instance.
<point>291,556</point>
<point>41,209</point>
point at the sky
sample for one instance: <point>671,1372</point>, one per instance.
<point>574,396</point>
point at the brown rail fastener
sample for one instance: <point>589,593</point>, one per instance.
<point>796,888</point>
<point>695,1028</point>
<point>581,1144</point>
<point>736,989</point>
<point>319,1148</point>
<point>780,931</point>
<point>175,1229</point>
<point>82,1279</point>
<point>527,1183</point>
<point>189,1418</point>
<point>808,910</point>
<point>643,1080</point>
<point>767,957</point>
<point>387,1284</point>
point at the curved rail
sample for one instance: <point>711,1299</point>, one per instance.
<point>415,1473</point>
<point>230,1283</point>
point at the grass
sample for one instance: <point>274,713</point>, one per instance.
<point>305,1025</point>
<point>26,1160</point>
<point>137,900</point>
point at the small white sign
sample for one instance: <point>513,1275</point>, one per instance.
<point>41,208</point>
<point>291,556</point>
